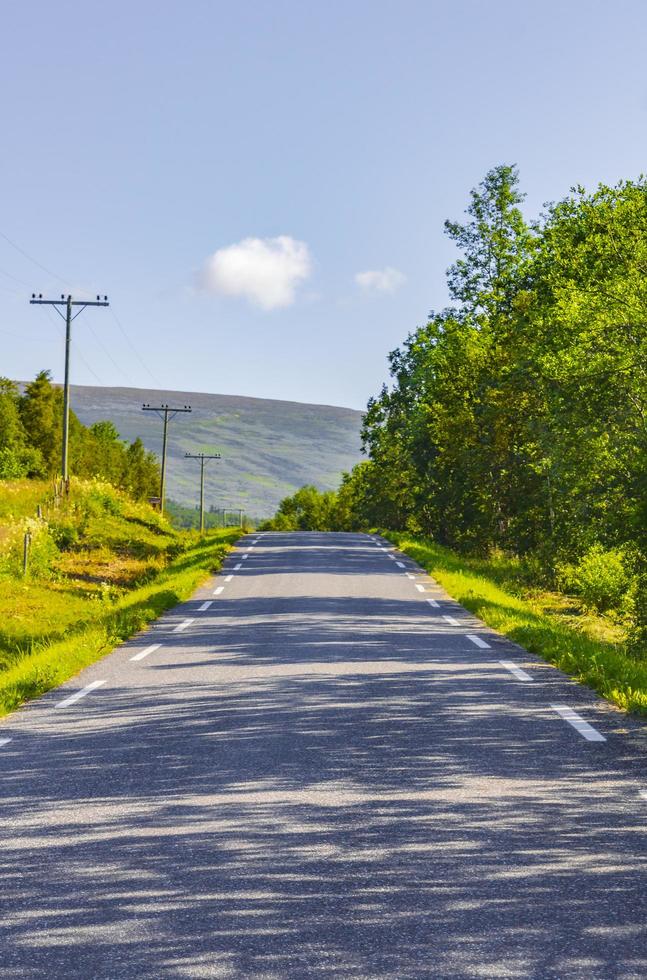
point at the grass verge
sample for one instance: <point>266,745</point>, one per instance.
<point>51,663</point>
<point>493,595</point>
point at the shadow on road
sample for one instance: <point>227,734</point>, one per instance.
<point>321,788</point>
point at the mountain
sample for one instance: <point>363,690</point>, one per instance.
<point>269,448</point>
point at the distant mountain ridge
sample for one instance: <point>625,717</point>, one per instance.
<point>269,447</point>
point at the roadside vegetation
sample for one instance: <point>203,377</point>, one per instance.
<point>509,451</point>
<point>101,566</point>
<point>561,629</point>
<point>30,442</point>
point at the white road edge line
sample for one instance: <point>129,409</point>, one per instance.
<point>182,626</point>
<point>220,589</point>
<point>520,674</point>
<point>587,731</point>
<point>432,602</point>
<point>4,741</point>
<point>144,653</point>
<point>478,642</point>
<point>400,564</point>
<point>79,694</point>
<point>229,578</point>
<point>451,621</point>
<point>205,605</point>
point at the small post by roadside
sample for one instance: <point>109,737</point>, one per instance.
<point>26,545</point>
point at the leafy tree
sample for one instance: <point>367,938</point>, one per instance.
<point>518,417</point>
<point>41,411</point>
<point>141,476</point>
<point>30,441</point>
<point>307,510</point>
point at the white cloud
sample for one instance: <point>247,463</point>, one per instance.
<point>385,280</point>
<point>264,270</point>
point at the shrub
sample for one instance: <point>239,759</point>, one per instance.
<point>101,498</point>
<point>42,551</point>
<point>17,462</point>
<point>65,532</point>
<point>601,578</point>
<point>638,634</point>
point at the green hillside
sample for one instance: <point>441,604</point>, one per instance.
<point>269,448</point>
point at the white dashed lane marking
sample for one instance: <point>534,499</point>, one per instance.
<point>183,625</point>
<point>587,731</point>
<point>400,564</point>
<point>432,602</point>
<point>205,605</point>
<point>220,589</point>
<point>419,587</point>
<point>4,741</point>
<point>229,578</point>
<point>520,674</point>
<point>478,642</point>
<point>144,653</point>
<point>79,694</point>
<point>451,621</point>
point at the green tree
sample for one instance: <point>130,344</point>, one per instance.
<point>41,413</point>
<point>309,509</point>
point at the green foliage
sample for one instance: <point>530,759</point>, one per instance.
<point>307,510</point>
<point>495,595</point>
<point>189,517</point>
<point>516,418</point>
<point>42,550</point>
<point>30,442</point>
<point>84,627</point>
<point>17,462</point>
<point>638,633</point>
<point>600,577</point>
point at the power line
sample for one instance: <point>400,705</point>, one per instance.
<point>68,303</point>
<point>17,336</point>
<point>21,282</point>
<point>201,457</point>
<point>77,350</point>
<point>165,412</point>
<point>143,363</point>
<point>66,282</point>
<point>32,259</point>
<point>110,357</point>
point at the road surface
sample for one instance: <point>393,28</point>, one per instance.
<point>321,766</point>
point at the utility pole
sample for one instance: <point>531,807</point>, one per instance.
<point>201,457</point>
<point>164,412</point>
<point>68,303</point>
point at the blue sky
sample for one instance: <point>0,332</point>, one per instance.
<point>260,188</point>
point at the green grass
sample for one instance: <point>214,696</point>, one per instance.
<point>50,662</point>
<point>585,647</point>
<point>20,498</point>
<point>102,566</point>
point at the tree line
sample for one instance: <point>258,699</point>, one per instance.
<point>516,418</point>
<point>31,433</point>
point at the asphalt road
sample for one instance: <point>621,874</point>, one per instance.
<point>325,772</point>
